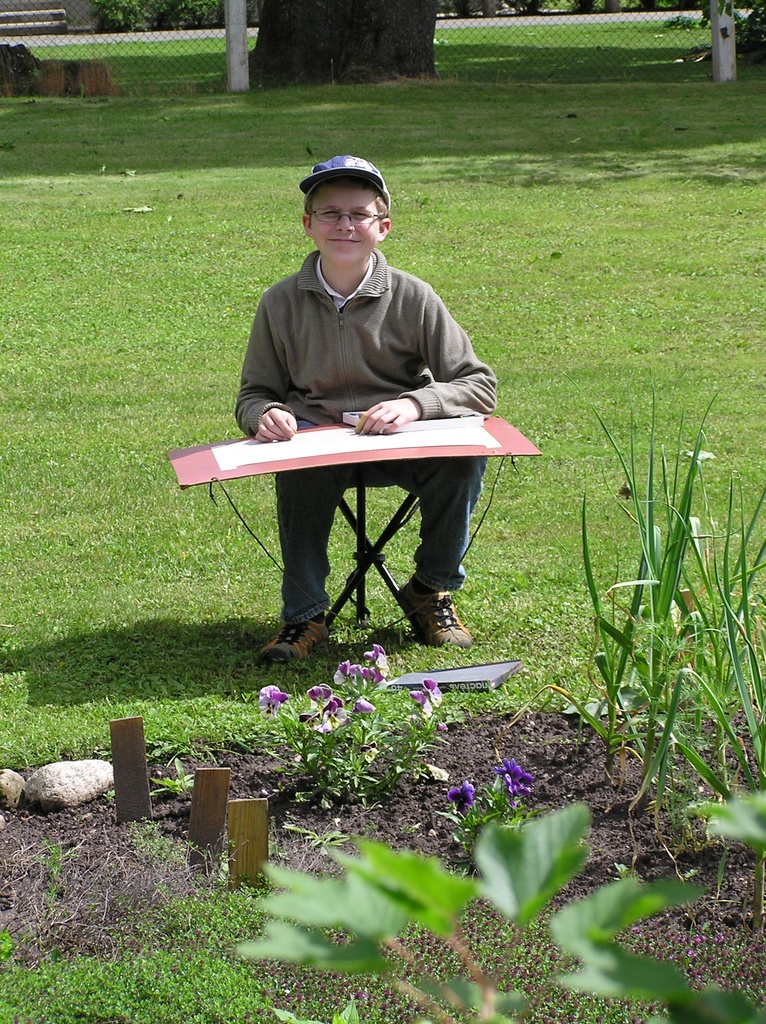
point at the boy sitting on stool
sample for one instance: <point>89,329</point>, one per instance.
<point>350,332</point>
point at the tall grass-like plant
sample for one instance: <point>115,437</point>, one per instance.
<point>738,760</point>
<point>642,643</point>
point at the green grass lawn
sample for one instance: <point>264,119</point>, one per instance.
<point>592,240</point>
<point>596,241</point>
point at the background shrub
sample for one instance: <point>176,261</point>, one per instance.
<point>118,15</point>
<point>183,14</point>
<point>751,30</point>
<point>157,15</point>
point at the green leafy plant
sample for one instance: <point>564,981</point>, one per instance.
<point>323,841</point>
<point>383,893</point>
<point>149,843</point>
<point>53,861</point>
<point>349,1015</point>
<point>175,14</point>
<point>7,946</point>
<point>751,30</point>
<point>501,802</point>
<point>182,783</point>
<point>354,738</point>
<point>683,21</point>
<point>129,15</point>
<point>118,15</point>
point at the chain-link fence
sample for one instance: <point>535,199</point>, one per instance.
<point>128,47</point>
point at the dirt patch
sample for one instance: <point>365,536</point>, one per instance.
<point>66,878</point>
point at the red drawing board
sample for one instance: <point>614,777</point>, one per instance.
<point>199,465</point>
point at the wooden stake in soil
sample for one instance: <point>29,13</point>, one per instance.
<point>207,817</point>
<point>248,840</point>
<point>131,778</point>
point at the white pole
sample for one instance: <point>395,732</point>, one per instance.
<point>724,44</point>
<point>237,68</point>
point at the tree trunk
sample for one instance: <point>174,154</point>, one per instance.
<point>344,40</point>
<point>19,69</point>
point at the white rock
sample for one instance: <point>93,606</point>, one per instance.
<point>2,823</point>
<point>11,788</point>
<point>69,783</point>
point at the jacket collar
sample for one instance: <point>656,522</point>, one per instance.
<point>378,283</point>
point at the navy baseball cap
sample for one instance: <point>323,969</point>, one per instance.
<point>346,167</point>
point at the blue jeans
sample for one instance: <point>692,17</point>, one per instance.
<point>307,500</point>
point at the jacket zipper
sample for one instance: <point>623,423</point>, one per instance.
<point>344,358</point>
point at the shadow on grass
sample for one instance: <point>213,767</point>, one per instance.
<point>515,131</point>
<point>165,659</point>
<point>154,73</point>
<point>573,65</point>
<point>161,658</point>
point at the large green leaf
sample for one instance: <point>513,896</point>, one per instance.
<point>353,903</point>
<point>614,907</point>
<point>714,1006</point>
<point>290,1018</point>
<point>419,886</point>
<point>522,868</point>
<point>295,945</point>
<point>350,1015</point>
<point>610,971</point>
<point>743,819</point>
<point>585,929</point>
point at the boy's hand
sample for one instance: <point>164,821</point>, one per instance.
<point>387,417</point>
<point>276,425</point>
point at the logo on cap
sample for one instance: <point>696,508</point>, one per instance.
<point>356,161</point>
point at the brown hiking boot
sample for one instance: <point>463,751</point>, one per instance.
<point>295,640</point>
<point>433,616</point>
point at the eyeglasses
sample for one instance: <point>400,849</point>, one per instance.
<point>357,217</point>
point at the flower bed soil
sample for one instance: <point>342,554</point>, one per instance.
<point>88,860</point>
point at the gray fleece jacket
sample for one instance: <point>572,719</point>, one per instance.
<point>394,339</point>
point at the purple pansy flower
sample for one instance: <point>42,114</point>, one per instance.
<point>376,654</point>
<point>461,797</point>
<point>269,700</point>
<point>370,751</point>
<point>333,715</point>
<point>379,659</point>
<point>516,780</point>
<point>346,671</point>
<point>317,694</point>
<point>432,689</point>
<point>372,674</point>
<point>421,697</point>
<point>363,706</point>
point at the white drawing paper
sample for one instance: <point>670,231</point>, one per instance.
<point>308,444</point>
